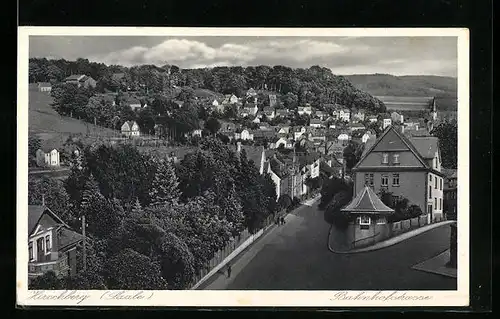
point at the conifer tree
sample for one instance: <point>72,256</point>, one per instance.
<point>165,186</point>
<point>91,192</point>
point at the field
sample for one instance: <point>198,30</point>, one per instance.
<point>46,123</point>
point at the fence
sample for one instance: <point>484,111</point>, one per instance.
<point>410,224</point>
<point>228,252</point>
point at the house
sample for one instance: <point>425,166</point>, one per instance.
<point>81,80</point>
<point>386,122</point>
<point>284,130</point>
<point>331,166</point>
<point>130,129</point>
<point>251,108</point>
<point>407,167</point>
<point>343,137</point>
<point>227,127</point>
<point>372,118</point>
<point>368,219</point>
<point>47,156</point>
<point>317,123</point>
<point>345,114</point>
<point>320,115</point>
<point>304,110</point>
<point>358,116</point>
<point>298,132</point>
<point>215,103</point>
<point>368,135</point>
<point>260,135</point>
<point>282,112</point>
<point>413,123</point>
<point>397,118</point>
<point>243,134</point>
<point>450,193</point>
<point>272,100</point>
<point>134,103</point>
<point>286,175</point>
<point>230,99</point>
<point>269,112</point>
<point>356,127</point>
<point>251,93</point>
<point>44,87</point>
<point>52,244</point>
<point>244,113</point>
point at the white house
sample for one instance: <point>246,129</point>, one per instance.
<point>396,117</point>
<point>130,128</point>
<point>304,110</point>
<point>230,99</point>
<point>359,116</point>
<point>316,123</point>
<point>244,135</point>
<point>345,115</point>
<point>387,122</point>
<point>298,132</point>
<point>44,87</point>
<point>372,118</point>
<point>367,136</point>
<point>343,137</point>
<point>251,108</point>
<point>46,157</point>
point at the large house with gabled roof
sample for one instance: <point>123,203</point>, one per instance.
<point>409,167</point>
<point>52,244</point>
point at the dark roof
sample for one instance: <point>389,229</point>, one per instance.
<point>366,201</point>
<point>68,237</point>
<point>53,143</point>
<point>324,167</point>
<point>35,212</point>
<point>426,146</point>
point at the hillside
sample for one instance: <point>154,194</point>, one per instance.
<point>45,122</point>
<point>411,85</point>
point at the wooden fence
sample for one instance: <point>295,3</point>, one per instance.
<point>232,249</point>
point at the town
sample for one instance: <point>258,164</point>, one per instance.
<point>159,177</point>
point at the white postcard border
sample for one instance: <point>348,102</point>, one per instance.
<point>200,298</point>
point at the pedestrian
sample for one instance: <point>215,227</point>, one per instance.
<point>228,270</point>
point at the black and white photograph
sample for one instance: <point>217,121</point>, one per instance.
<point>243,163</point>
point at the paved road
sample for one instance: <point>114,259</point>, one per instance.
<point>295,256</point>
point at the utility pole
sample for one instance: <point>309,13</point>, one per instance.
<point>84,244</point>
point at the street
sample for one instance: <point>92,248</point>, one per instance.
<point>294,256</point>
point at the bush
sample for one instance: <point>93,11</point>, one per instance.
<point>333,213</point>
<point>47,281</point>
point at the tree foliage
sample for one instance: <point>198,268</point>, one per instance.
<point>446,132</point>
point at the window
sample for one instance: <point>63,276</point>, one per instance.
<point>440,203</point>
<point>364,222</point>
<point>395,158</point>
<point>430,178</point>
<point>381,221</point>
<point>395,179</point>
<point>430,191</point>
<point>369,179</point>
<point>30,249</point>
<point>385,180</point>
<point>385,158</point>
<point>441,184</point>
<point>435,202</point>
<point>435,182</point>
<point>48,246</point>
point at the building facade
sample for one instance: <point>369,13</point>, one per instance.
<point>410,168</point>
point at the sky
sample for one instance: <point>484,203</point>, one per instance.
<point>343,55</point>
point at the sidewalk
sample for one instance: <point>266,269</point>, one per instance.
<point>220,281</point>
<point>391,241</point>
<point>437,265</point>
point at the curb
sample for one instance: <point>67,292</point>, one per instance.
<point>381,245</point>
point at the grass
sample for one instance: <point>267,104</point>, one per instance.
<point>45,122</point>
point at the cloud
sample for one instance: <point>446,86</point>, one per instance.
<point>344,55</point>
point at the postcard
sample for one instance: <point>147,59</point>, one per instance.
<point>243,167</point>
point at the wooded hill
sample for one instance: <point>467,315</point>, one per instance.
<point>315,85</point>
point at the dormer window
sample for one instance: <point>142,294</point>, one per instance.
<point>395,158</point>
<point>30,249</point>
<point>385,158</point>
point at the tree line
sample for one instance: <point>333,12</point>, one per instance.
<point>153,223</point>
